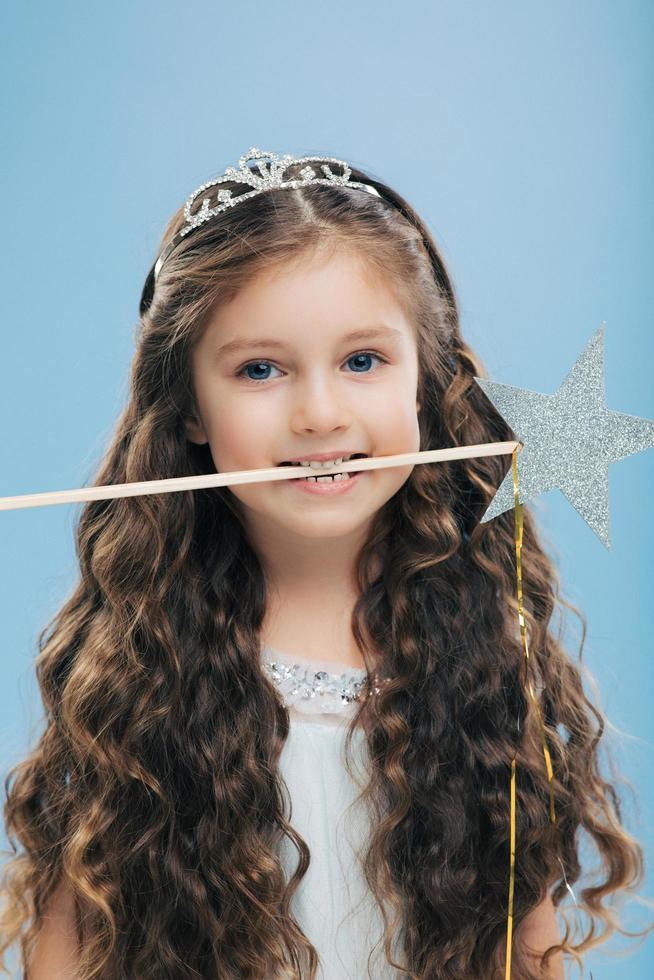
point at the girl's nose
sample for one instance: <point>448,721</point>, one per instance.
<point>321,405</point>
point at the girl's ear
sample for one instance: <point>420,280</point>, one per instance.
<point>195,430</point>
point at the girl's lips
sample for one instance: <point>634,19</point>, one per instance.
<point>328,488</point>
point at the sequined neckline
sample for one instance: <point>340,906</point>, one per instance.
<point>310,687</point>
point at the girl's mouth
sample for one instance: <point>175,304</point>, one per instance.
<point>331,484</point>
<point>332,478</point>
<point>328,486</point>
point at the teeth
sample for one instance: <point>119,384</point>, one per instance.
<point>331,479</point>
<point>317,464</point>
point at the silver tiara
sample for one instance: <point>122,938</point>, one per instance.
<point>271,175</point>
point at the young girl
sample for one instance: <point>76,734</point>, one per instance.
<point>281,715</point>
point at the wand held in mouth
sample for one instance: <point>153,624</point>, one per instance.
<point>237,477</point>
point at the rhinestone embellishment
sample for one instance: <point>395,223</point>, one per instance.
<point>271,174</point>
<point>300,684</point>
<point>298,681</point>
<point>271,169</point>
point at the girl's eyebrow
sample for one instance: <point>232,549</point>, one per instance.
<point>373,332</point>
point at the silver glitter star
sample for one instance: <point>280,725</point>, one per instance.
<point>569,439</point>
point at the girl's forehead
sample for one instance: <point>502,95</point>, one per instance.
<point>318,293</point>
<point>319,268</point>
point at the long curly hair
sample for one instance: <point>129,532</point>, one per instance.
<point>154,791</point>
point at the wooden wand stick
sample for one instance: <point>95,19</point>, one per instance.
<point>235,477</point>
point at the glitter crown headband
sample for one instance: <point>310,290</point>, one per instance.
<point>271,175</point>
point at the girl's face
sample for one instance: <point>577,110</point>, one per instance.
<point>299,385</point>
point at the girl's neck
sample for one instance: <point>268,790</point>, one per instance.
<point>311,589</point>
<point>312,624</point>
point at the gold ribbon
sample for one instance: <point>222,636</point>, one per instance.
<point>548,760</point>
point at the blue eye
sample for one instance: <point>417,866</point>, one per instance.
<point>254,364</point>
<point>260,364</point>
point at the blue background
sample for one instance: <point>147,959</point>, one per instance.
<point>518,130</point>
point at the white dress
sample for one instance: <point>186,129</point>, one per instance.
<point>333,903</point>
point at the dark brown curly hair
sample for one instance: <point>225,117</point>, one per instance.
<point>154,791</point>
